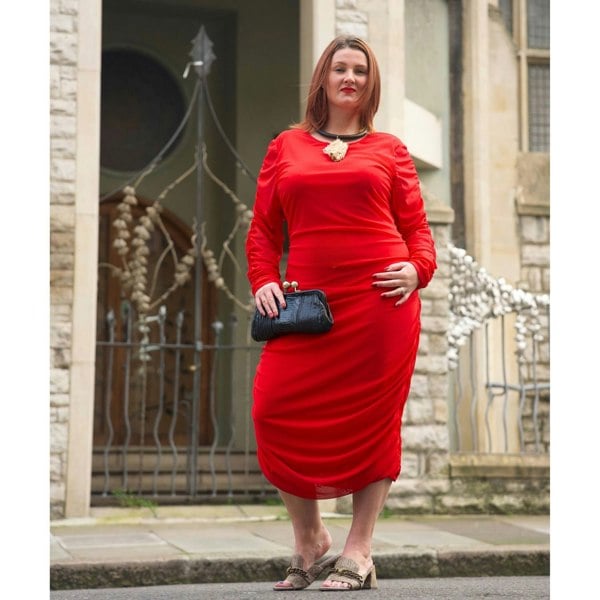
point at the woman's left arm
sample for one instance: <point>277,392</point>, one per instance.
<point>408,211</point>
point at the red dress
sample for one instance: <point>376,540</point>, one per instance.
<point>327,407</point>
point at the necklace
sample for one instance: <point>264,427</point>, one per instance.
<point>344,137</point>
<point>338,148</point>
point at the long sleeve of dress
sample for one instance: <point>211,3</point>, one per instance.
<point>409,213</point>
<point>264,243</point>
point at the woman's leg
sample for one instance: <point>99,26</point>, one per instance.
<point>366,506</point>
<point>311,538</point>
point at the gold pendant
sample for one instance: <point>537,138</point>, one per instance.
<point>336,150</point>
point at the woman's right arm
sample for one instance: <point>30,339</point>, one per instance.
<point>264,243</point>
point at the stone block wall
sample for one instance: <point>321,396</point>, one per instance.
<point>350,20</point>
<point>535,272</point>
<point>533,209</point>
<point>63,104</point>
<point>494,495</point>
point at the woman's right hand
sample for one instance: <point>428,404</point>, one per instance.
<point>265,299</point>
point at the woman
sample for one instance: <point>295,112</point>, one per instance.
<point>328,407</point>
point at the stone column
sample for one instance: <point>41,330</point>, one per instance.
<point>317,29</point>
<point>83,348</point>
<point>384,25</point>
<point>477,130</point>
<point>63,108</point>
<point>477,140</point>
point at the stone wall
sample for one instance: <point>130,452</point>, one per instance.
<point>350,20</point>
<point>63,104</point>
<point>533,209</point>
<point>532,203</point>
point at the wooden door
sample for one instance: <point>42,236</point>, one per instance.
<point>133,404</point>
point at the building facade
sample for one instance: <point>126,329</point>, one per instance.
<point>465,86</point>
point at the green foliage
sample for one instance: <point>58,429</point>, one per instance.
<point>386,513</point>
<point>130,500</point>
<point>272,501</point>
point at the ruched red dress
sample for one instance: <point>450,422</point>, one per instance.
<point>327,407</point>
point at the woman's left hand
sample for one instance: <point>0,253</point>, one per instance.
<point>402,277</point>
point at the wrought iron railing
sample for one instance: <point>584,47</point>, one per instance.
<point>501,383</point>
<point>162,432</point>
<point>172,402</point>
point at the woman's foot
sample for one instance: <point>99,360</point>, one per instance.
<point>308,562</point>
<point>299,578</point>
<point>348,574</point>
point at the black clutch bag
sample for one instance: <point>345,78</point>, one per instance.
<point>305,312</point>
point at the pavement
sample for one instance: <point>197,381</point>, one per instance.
<point>125,547</point>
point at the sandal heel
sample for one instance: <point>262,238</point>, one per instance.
<point>371,580</point>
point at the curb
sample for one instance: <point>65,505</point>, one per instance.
<point>427,564</point>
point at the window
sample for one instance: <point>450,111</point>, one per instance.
<point>529,22</point>
<point>506,9</point>
<point>538,96</point>
<point>538,24</point>
<point>142,104</point>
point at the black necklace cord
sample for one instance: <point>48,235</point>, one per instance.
<point>345,138</point>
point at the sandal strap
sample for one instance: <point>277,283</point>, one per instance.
<point>347,571</point>
<point>299,578</point>
<point>349,574</point>
<point>298,571</point>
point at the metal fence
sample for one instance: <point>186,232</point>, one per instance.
<point>173,369</point>
<point>499,362</point>
<point>172,417</point>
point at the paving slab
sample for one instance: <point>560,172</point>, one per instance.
<point>247,543</point>
<point>214,541</point>
<point>490,530</point>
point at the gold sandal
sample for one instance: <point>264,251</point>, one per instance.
<point>299,578</point>
<point>347,571</point>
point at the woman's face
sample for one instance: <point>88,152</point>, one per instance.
<point>347,79</point>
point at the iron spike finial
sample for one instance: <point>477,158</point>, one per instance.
<point>201,53</point>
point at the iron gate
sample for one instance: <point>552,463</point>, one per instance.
<point>174,365</point>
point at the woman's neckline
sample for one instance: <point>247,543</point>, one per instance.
<point>311,134</point>
<point>344,137</point>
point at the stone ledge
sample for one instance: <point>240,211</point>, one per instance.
<point>437,211</point>
<point>532,209</point>
<point>428,563</point>
<point>513,562</point>
<point>526,466</point>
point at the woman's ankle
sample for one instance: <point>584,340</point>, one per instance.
<point>360,556</point>
<point>313,546</point>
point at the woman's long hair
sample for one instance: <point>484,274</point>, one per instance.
<point>317,111</point>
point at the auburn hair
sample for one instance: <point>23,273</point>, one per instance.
<point>317,111</point>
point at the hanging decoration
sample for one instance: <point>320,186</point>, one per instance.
<point>476,297</point>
